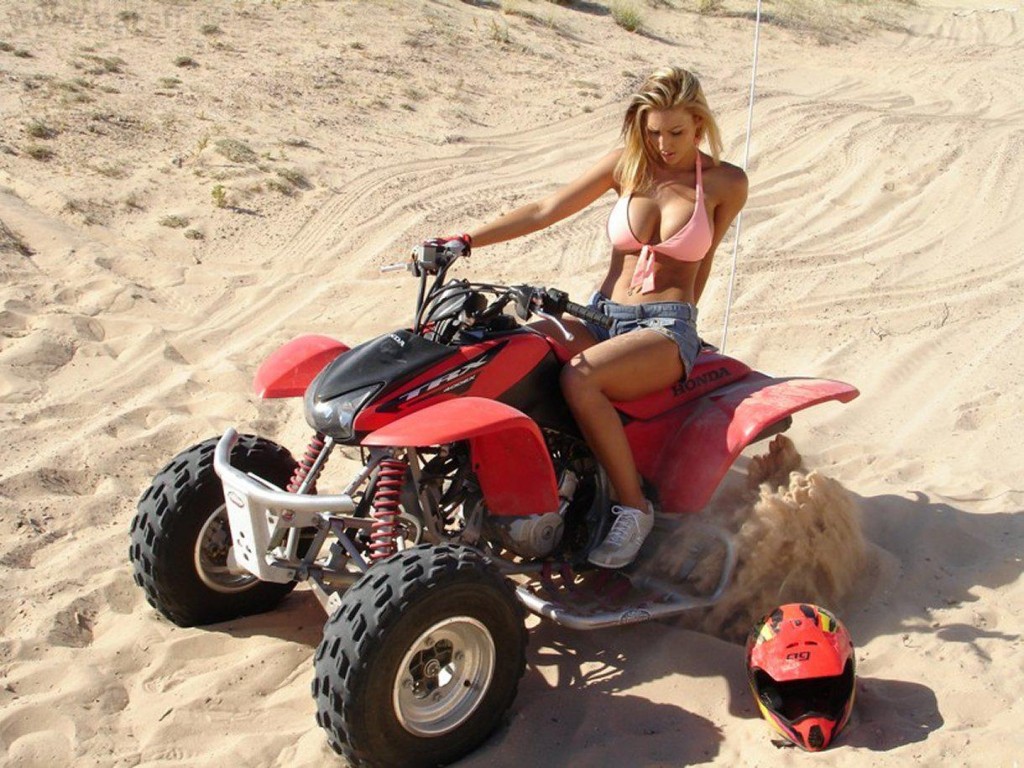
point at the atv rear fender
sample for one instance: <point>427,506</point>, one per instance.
<point>291,367</point>
<point>686,453</point>
<point>507,451</point>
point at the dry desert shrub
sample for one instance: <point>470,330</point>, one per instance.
<point>39,152</point>
<point>174,222</point>
<point>236,151</point>
<point>295,177</point>
<point>37,129</point>
<point>91,212</point>
<point>219,195</point>
<point>708,7</point>
<point>93,64</point>
<point>11,242</point>
<point>627,15</point>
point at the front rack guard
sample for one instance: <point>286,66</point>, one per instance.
<point>260,513</point>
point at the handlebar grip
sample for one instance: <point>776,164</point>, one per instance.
<point>588,314</point>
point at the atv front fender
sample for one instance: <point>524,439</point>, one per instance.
<point>291,367</point>
<point>686,455</point>
<point>507,450</point>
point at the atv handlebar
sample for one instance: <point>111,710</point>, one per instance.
<point>430,258</point>
<point>551,302</point>
<point>435,257</point>
<point>557,302</point>
<point>589,314</point>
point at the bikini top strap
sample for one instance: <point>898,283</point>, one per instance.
<point>700,183</point>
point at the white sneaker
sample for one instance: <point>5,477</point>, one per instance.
<point>624,540</point>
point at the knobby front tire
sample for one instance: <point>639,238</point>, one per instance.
<point>180,536</point>
<point>421,660</point>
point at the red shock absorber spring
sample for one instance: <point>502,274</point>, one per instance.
<point>384,531</point>
<point>313,451</point>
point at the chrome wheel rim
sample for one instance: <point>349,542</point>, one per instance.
<point>211,557</point>
<point>444,676</point>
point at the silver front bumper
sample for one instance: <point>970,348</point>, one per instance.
<point>260,513</point>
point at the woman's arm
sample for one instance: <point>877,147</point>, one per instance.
<point>733,196</point>
<point>564,202</point>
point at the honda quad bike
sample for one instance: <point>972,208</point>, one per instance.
<point>476,498</point>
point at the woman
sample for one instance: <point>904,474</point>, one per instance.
<point>675,204</point>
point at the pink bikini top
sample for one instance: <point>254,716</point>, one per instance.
<point>691,243</point>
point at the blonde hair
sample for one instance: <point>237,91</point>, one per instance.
<point>664,89</point>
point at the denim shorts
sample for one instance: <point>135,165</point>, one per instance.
<point>675,319</point>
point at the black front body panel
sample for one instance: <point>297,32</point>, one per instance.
<point>395,359</point>
<point>389,359</point>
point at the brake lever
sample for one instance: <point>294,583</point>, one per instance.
<point>569,336</point>
<point>425,258</point>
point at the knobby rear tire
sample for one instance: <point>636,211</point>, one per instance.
<point>185,502</point>
<point>433,637</point>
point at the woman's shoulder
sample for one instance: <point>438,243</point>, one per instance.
<point>608,164</point>
<point>728,173</point>
<point>605,164</point>
<point>726,181</point>
<point>611,159</point>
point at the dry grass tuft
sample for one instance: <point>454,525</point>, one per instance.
<point>91,212</point>
<point>236,151</point>
<point>101,65</point>
<point>37,129</point>
<point>174,222</point>
<point>39,152</point>
<point>219,195</point>
<point>627,15</point>
<point>295,177</point>
<point>10,242</point>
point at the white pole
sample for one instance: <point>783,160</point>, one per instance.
<point>746,160</point>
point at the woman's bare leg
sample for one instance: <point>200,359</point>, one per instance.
<point>623,368</point>
<point>582,338</point>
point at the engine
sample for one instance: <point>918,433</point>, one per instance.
<point>533,536</point>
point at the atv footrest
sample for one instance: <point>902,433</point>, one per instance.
<point>683,566</point>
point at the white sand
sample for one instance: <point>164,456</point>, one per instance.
<point>881,245</point>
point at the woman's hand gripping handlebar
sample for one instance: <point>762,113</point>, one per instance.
<point>434,255</point>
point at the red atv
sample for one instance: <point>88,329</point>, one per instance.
<point>477,497</point>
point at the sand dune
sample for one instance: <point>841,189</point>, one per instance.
<point>881,245</point>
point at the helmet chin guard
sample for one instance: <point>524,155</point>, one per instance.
<point>802,672</point>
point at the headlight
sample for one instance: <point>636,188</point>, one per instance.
<point>334,417</point>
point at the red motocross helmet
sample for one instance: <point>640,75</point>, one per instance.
<point>801,668</point>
